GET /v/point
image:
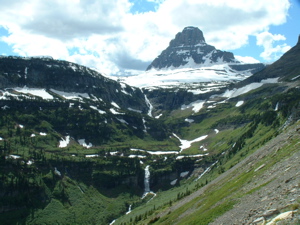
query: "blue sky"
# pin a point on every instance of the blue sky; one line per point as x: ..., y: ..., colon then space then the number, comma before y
x: 122, y: 37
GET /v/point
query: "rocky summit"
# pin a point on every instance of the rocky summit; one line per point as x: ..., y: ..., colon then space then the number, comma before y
x: 190, y: 49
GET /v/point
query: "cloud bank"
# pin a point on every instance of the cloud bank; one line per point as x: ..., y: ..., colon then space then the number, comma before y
x: 107, y: 36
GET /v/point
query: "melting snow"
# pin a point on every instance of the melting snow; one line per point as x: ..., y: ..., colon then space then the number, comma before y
x: 173, y: 182
x: 296, y: 77
x: 184, y: 174
x: 190, y: 156
x: 186, y: 144
x: 122, y: 121
x: 135, y: 110
x: 35, y: 91
x: 137, y: 156
x: 13, y: 156
x: 64, y: 142
x: 239, y: 103
x: 236, y: 92
x: 189, y: 120
x: 185, y: 74
x: 30, y: 162
x: 91, y: 156
x: 197, y: 106
x: 113, y: 111
x: 115, y: 105
x: 155, y: 152
x: 71, y: 95
x: 276, y: 107
x: 157, y: 117
x: 95, y: 108
x: 82, y: 143
x: 203, y: 148
x: 57, y: 172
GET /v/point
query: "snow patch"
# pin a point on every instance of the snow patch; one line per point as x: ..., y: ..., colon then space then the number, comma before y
x: 157, y: 117
x: 173, y: 182
x: 115, y: 105
x: 184, y: 174
x: 134, y: 110
x: 189, y: 120
x: 71, y: 95
x: 276, y: 107
x: 64, y: 142
x: 82, y: 143
x: 123, y: 121
x: 95, y: 108
x: 236, y: 92
x: 113, y: 111
x: 91, y: 156
x: 155, y: 152
x: 13, y: 156
x: 239, y: 103
x: 196, y: 106
x: 186, y: 144
x: 34, y: 91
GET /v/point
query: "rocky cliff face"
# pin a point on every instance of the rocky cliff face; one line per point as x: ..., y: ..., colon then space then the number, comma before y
x: 69, y: 77
x: 189, y: 48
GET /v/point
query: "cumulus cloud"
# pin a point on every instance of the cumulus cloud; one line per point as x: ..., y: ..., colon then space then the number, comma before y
x: 106, y: 35
x: 246, y: 59
x: 271, y: 52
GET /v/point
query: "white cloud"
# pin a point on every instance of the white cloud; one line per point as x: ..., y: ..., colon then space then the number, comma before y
x: 104, y: 34
x: 271, y: 52
x: 246, y: 59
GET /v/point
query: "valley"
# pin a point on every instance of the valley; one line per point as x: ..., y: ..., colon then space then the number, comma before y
x: 209, y: 144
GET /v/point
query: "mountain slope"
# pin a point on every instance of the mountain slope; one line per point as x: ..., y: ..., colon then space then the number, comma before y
x: 286, y: 68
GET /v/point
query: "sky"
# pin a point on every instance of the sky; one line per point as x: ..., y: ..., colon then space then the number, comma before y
x: 122, y: 37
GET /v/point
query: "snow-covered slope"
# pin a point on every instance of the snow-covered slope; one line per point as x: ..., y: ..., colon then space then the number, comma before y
x: 187, y: 75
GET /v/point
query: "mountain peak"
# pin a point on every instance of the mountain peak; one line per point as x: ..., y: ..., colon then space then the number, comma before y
x: 189, y: 36
x: 189, y: 49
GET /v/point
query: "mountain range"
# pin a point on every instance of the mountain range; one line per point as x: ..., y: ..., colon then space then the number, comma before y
x: 80, y: 148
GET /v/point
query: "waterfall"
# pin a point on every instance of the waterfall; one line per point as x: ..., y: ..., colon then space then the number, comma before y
x: 147, y: 180
x: 147, y: 184
x: 129, y: 210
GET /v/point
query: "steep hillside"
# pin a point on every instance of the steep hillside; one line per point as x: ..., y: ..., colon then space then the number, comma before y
x: 286, y: 68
